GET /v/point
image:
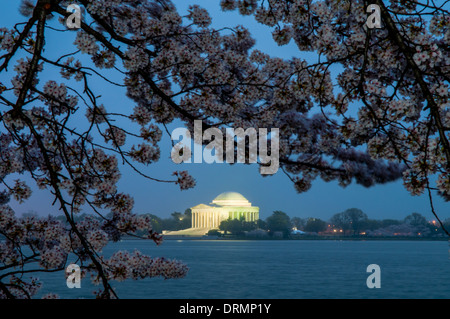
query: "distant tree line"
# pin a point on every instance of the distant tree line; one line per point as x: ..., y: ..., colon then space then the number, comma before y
x: 355, y: 222
x: 176, y: 221
x: 279, y: 224
x: 351, y: 222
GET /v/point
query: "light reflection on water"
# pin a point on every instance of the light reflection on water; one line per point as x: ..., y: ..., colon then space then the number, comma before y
x: 274, y: 269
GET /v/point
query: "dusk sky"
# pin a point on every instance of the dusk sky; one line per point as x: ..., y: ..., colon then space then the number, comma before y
x: 269, y: 193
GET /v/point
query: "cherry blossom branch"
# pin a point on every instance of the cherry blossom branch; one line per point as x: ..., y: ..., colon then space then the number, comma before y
x: 434, y: 110
x: 41, y: 16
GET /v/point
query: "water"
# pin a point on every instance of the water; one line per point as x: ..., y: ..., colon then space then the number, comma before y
x: 284, y: 269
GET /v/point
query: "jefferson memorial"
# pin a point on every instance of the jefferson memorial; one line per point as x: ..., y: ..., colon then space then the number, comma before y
x: 206, y: 217
x: 227, y: 205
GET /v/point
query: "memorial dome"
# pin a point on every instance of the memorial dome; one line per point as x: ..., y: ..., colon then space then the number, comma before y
x: 231, y: 199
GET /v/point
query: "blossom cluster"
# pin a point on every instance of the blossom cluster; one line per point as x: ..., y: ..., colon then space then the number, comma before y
x: 49, y: 242
x: 86, y: 43
x: 124, y: 265
x: 56, y: 97
x: 70, y: 68
x: 6, y: 39
x: 184, y: 180
x: 199, y: 16
x: 22, y: 68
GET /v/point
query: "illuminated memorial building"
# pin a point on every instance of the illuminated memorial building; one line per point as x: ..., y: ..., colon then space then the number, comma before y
x: 227, y: 205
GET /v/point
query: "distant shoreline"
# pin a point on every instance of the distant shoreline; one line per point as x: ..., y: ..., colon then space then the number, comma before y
x: 346, y: 238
